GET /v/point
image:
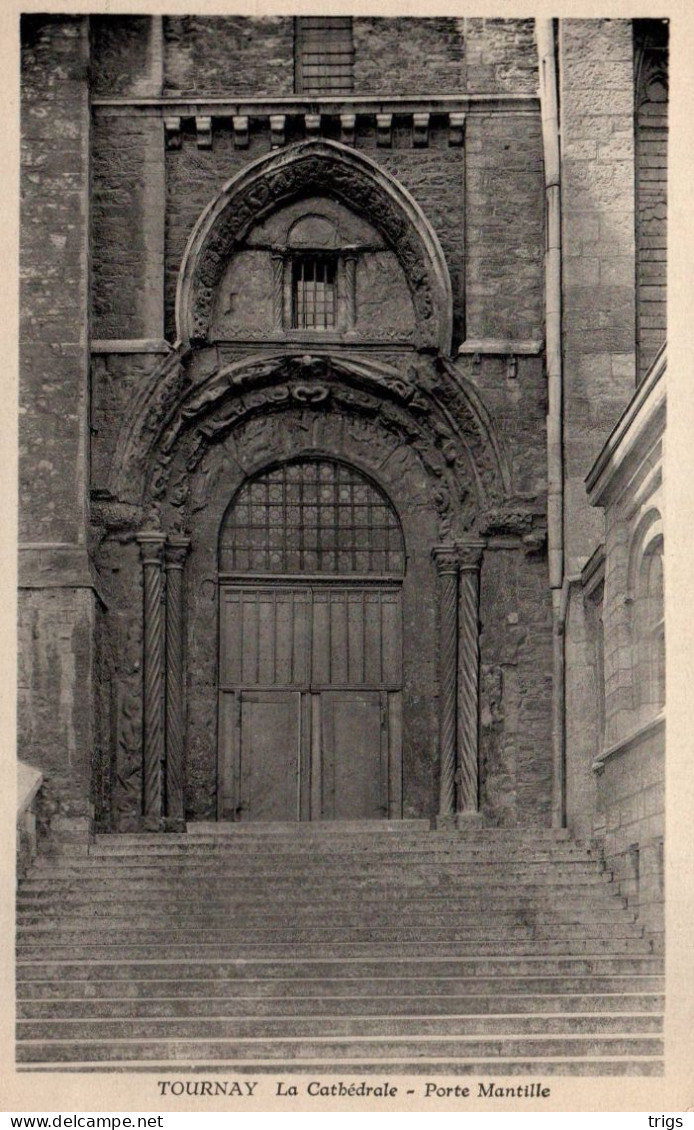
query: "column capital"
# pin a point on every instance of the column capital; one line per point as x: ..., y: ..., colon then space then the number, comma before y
x: 446, y: 558
x: 151, y: 543
x: 177, y: 547
x: 469, y: 555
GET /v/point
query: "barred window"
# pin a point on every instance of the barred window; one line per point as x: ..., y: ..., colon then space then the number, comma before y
x: 312, y: 516
x: 324, y: 55
x: 313, y: 293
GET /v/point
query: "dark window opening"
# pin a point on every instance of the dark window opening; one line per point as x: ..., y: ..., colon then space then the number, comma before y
x: 313, y: 293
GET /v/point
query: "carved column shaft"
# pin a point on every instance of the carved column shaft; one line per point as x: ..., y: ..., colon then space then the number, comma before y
x: 176, y: 551
x: 151, y: 545
x: 447, y: 567
x: 278, y: 291
x: 468, y: 678
x: 350, y: 291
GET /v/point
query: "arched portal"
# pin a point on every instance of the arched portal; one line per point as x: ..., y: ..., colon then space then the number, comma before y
x: 311, y: 564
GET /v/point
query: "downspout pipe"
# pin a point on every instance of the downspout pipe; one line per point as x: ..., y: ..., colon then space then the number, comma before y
x: 549, y: 106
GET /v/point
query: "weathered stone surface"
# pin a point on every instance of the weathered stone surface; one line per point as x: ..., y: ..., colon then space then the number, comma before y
x: 54, y: 284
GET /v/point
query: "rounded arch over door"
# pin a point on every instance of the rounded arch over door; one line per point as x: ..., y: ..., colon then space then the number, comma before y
x: 311, y: 561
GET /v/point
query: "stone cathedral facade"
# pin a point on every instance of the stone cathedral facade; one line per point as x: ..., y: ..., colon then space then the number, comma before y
x: 341, y: 414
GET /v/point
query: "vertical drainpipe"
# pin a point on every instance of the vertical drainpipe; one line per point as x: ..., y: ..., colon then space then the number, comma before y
x: 549, y: 105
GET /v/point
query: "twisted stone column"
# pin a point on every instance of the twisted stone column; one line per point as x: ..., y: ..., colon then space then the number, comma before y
x: 151, y: 544
x: 350, y: 291
x: 176, y: 550
x: 278, y: 291
x: 469, y: 559
x: 446, y: 558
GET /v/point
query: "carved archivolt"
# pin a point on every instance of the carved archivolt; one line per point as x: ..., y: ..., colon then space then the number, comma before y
x: 432, y: 413
x: 307, y: 168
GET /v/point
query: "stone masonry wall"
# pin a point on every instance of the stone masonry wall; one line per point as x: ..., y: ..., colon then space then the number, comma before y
x: 54, y: 280
x: 501, y: 56
x: 57, y: 604
x: 597, y: 99
x: 504, y: 226
x: 515, y: 688
x: 231, y: 55
x: 128, y: 226
x: 629, y: 824
x: 122, y: 51
x: 583, y: 721
x: 55, y: 677
x: 409, y: 56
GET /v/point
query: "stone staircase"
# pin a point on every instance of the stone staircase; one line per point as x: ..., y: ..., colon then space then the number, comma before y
x: 334, y: 947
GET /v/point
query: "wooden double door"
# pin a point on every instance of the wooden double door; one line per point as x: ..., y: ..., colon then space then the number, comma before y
x: 310, y: 702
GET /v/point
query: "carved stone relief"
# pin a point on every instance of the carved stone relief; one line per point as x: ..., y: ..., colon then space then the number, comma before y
x: 300, y: 171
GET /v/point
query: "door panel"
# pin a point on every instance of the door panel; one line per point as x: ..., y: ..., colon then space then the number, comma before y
x: 269, y: 741
x: 352, y: 752
x: 265, y: 637
x: 310, y: 703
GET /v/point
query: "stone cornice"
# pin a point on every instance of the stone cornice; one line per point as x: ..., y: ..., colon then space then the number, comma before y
x: 503, y: 347
x: 419, y: 113
x: 130, y: 345
x: 57, y: 565
x: 644, y: 415
x: 593, y: 572
x: 206, y: 106
x: 626, y: 744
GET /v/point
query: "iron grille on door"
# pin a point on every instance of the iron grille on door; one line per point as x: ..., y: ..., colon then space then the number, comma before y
x: 312, y: 517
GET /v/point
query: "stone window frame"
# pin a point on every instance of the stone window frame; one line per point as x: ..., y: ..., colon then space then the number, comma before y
x: 344, y: 262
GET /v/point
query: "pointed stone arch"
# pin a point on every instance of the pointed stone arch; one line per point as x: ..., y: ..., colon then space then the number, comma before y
x: 331, y: 169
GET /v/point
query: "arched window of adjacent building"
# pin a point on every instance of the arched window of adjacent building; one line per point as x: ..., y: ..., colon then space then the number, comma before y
x: 649, y: 624
x: 324, y: 55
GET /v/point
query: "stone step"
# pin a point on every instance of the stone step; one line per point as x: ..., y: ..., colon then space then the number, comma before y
x: 292, y: 829
x: 441, y: 885
x: 347, y: 850
x: 396, y: 1003
x: 192, y: 912
x: 470, y: 1069
x: 257, y: 946
x: 313, y: 873
x: 380, y: 948
x: 369, y: 1050
x: 299, y: 866
x: 475, y: 829
x: 44, y: 902
x: 330, y: 829
x: 81, y: 987
x: 177, y: 926
x: 286, y: 932
x: 241, y: 969
x: 353, y: 1026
